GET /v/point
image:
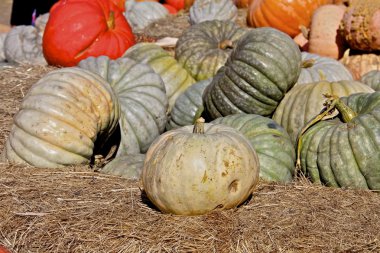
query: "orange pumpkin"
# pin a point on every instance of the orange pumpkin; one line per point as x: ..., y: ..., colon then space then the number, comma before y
x: 242, y: 3
x: 284, y: 15
x: 120, y: 4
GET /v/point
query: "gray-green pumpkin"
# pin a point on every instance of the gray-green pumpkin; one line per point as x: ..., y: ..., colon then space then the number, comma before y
x: 272, y: 144
x: 175, y: 77
x: 372, y: 79
x: 345, y: 152
x: 317, y: 68
x: 188, y: 107
x: 203, y: 10
x: 60, y: 119
x: 264, y: 65
x: 142, y: 97
x: 204, y: 48
x: 305, y: 101
x: 2, y: 39
x: 126, y: 166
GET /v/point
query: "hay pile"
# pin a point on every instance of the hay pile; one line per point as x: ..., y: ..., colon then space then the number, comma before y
x: 77, y: 210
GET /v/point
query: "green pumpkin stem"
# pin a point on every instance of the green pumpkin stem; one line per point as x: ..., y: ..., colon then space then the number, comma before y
x: 111, y: 20
x: 225, y: 44
x: 199, y: 126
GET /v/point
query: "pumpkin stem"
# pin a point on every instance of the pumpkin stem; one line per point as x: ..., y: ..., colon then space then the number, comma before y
x: 111, y: 20
x: 225, y: 44
x: 199, y: 126
x: 347, y: 113
x: 308, y: 63
x: 305, y: 31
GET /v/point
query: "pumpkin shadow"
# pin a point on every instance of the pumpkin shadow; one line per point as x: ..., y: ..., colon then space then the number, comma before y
x: 145, y: 200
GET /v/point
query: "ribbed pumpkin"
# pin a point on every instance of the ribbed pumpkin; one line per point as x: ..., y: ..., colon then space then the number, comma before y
x: 265, y: 64
x: 305, y: 101
x: 141, y: 14
x: 175, y: 77
x: 142, y: 99
x: 271, y: 142
x: 360, y: 64
x: 61, y: 117
x: 203, y: 10
x: 345, y: 152
x: 126, y: 166
x: 372, y: 79
x: 204, y: 48
x: 189, y: 106
x: 317, y: 68
x: 361, y: 24
x: 195, y: 170
x: 285, y: 15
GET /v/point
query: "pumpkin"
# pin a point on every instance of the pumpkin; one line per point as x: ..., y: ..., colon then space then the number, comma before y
x: 302, y: 41
x: 78, y: 29
x: 344, y: 152
x: 177, y: 4
x: 120, y: 4
x: 188, y: 107
x: 170, y: 9
x: 141, y: 14
x: 61, y: 118
x: 242, y: 3
x: 4, y: 28
x: 188, y: 4
x: 175, y: 77
x: 203, y: 10
x: 2, y: 40
x: 204, y: 48
x: 142, y: 99
x: 126, y: 166
x: 372, y: 79
x: 21, y: 45
x: 324, y: 38
x: 305, y: 101
x: 3, y: 249
x: 285, y: 15
x: 317, y: 68
x: 270, y: 141
x: 264, y: 65
x: 360, y: 64
x: 40, y: 25
x: 195, y: 170
x: 361, y: 24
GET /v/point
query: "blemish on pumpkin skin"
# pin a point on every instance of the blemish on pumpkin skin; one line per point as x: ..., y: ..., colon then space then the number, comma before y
x: 204, y: 177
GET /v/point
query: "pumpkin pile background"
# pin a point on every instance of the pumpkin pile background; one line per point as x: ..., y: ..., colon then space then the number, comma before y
x: 298, y: 200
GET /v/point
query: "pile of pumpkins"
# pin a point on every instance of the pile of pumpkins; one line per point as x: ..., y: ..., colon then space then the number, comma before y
x: 137, y: 111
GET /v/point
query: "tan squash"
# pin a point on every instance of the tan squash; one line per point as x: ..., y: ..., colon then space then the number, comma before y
x: 360, y: 64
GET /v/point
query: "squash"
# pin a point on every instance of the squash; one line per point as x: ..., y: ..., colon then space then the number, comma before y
x: 204, y: 48
x: 372, y: 79
x: 344, y: 152
x: 361, y: 24
x: 142, y: 98
x: 305, y: 101
x: 126, y: 166
x: 264, y: 65
x: 188, y: 107
x: 285, y: 15
x: 271, y: 142
x: 203, y: 10
x: 360, y: 64
x: 195, y: 170
x: 175, y: 77
x: 78, y: 29
x: 324, y: 38
x: 2, y: 40
x: 243, y: 3
x: 141, y: 14
x: 177, y: 4
x: 60, y: 119
x: 317, y: 68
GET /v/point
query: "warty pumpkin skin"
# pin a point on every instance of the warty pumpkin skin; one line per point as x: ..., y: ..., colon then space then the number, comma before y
x: 78, y: 29
x: 271, y: 142
x: 264, y: 65
x: 191, y: 171
x: 60, y: 118
x: 346, y: 153
x: 142, y: 98
x: 204, y: 48
x: 372, y: 79
x: 176, y: 78
x: 305, y: 101
x: 203, y: 10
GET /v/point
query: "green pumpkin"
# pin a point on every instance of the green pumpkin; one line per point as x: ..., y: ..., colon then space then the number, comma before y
x: 175, y: 77
x: 142, y: 98
x: 305, y: 101
x: 372, y: 79
x: 204, y: 48
x: 60, y: 119
x: 203, y: 10
x: 265, y: 64
x: 126, y: 166
x: 271, y: 142
x: 345, y: 152
x: 188, y: 107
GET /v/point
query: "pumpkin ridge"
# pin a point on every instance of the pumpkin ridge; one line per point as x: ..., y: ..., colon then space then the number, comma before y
x: 227, y: 100
x: 214, y: 100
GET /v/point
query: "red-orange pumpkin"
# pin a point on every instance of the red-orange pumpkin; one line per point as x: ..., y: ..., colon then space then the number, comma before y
x: 178, y: 4
x: 120, y: 4
x: 78, y: 29
x: 170, y: 8
x: 284, y: 15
